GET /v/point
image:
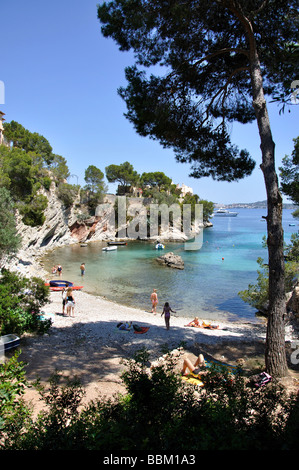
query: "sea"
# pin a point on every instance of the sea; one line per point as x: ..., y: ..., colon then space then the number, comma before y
x: 207, y: 287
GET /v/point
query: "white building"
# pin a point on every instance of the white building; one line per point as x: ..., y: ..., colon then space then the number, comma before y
x: 184, y: 189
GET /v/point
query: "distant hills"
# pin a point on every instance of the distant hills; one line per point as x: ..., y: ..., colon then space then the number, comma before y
x: 252, y: 205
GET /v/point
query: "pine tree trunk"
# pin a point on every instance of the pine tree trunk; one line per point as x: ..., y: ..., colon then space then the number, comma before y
x: 275, y: 356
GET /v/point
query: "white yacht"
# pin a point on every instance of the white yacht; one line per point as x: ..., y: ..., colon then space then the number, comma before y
x: 224, y: 213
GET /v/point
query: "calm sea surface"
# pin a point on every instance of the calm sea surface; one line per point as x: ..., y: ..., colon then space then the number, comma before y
x: 208, y: 286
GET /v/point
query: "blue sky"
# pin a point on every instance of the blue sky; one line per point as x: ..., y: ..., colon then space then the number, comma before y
x: 61, y: 78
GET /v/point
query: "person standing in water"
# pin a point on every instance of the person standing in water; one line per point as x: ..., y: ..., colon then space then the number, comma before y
x: 166, y: 311
x: 59, y: 270
x: 82, y: 268
x: 154, y: 299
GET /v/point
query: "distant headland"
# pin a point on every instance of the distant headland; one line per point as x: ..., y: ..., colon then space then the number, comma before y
x: 252, y: 205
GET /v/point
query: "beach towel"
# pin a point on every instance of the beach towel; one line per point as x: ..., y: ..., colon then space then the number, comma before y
x: 231, y: 368
x: 192, y: 380
x: 140, y: 329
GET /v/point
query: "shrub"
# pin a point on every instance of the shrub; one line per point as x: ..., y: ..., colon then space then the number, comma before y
x: 161, y: 413
x: 33, y: 212
x: 67, y: 193
x: 20, y: 302
x: 15, y: 416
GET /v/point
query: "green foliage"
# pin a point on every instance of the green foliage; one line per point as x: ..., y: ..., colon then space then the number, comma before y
x: 27, y: 166
x: 59, y: 169
x: 155, y: 179
x: 33, y: 212
x: 9, y: 239
x: 95, y: 186
x: 67, y: 193
x: 53, y: 429
x: 22, y: 176
x: 15, y: 416
x: 292, y: 250
x: 29, y: 141
x: 257, y: 294
x: 160, y: 412
x: 193, y: 199
x: 46, y: 181
x: 20, y: 302
x: 289, y: 174
x: 123, y: 173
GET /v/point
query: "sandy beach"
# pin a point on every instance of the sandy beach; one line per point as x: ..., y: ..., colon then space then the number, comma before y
x: 92, y: 348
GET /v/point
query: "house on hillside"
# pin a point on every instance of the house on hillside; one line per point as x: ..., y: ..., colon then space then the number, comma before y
x: 1, y: 127
x: 2, y: 138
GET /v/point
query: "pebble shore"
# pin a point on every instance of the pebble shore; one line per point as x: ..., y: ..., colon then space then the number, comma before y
x: 97, y: 318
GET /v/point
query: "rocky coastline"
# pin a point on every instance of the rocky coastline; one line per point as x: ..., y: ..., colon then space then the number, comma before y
x: 66, y: 226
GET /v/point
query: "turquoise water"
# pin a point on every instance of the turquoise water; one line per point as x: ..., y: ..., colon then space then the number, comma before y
x: 208, y: 286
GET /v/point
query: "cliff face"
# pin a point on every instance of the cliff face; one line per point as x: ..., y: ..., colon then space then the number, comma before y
x: 61, y: 227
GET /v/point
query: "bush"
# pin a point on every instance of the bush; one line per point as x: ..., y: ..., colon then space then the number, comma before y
x: 15, y: 416
x: 161, y: 413
x: 46, y: 182
x: 33, y: 212
x: 20, y: 302
x: 67, y: 193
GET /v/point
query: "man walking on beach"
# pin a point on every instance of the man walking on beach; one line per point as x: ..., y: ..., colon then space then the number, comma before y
x: 154, y: 299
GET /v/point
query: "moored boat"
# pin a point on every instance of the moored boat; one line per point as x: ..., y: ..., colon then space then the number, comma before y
x: 117, y: 243
x: 58, y: 285
x: 224, y: 213
x: 9, y: 342
x: 160, y: 246
x: 109, y: 248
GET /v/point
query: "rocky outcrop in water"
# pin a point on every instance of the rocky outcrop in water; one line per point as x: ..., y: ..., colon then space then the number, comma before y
x: 171, y: 260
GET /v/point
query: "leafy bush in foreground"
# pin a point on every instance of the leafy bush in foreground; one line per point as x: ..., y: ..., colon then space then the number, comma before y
x: 161, y: 413
x: 20, y: 302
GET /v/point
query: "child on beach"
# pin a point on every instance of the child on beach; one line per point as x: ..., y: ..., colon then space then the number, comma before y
x: 166, y: 312
x: 70, y: 302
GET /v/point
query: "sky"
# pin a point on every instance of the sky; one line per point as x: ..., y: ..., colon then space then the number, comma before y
x: 61, y: 78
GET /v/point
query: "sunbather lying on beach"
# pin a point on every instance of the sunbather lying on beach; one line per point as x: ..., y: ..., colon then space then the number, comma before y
x: 197, y: 324
x: 124, y: 326
x: 196, y: 368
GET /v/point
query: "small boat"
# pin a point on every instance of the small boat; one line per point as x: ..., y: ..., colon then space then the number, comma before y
x: 160, y: 246
x: 57, y: 285
x: 109, y: 248
x: 224, y: 213
x: 292, y: 225
x: 60, y: 288
x: 9, y: 342
x: 83, y: 244
x: 117, y: 243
